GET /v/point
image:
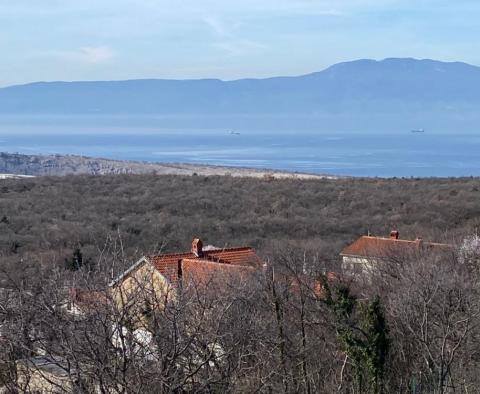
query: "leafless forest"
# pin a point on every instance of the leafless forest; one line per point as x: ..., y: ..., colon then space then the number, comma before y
x: 412, y: 326
x: 45, y: 219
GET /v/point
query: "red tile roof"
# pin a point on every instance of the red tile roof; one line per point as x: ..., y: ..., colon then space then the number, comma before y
x: 213, y: 274
x: 169, y: 265
x: 172, y: 265
x: 298, y: 283
x: 87, y: 298
x: 234, y: 256
x: 379, y: 247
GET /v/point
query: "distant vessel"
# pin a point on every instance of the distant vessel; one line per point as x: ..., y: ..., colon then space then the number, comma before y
x: 418, y: 131
x: 234, y: 133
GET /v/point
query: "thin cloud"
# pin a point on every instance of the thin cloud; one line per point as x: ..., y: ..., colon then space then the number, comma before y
x: 88, y: 55
x: 217, y: 26
x: 95, y: 55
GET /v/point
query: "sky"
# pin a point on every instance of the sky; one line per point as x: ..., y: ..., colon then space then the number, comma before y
x: 45, y: 40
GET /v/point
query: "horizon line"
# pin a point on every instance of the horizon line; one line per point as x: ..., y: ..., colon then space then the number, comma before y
x: 234, y: 79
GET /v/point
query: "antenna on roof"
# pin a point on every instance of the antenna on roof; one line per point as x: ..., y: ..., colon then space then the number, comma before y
x: 368, y: 233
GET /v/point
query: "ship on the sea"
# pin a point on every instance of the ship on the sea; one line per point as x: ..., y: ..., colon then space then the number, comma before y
x: 418, y: 131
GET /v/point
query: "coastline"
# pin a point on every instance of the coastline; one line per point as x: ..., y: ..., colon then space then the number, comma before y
x: 15, y: 165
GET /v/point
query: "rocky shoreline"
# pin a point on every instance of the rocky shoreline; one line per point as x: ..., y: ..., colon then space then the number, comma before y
x: 15, y: 164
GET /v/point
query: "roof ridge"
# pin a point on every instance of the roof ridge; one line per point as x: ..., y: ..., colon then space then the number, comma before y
x: 238, y: 248
x: 156, y: 256
x: 389, y: 239
x: 403, y: 240
x: 208, y: 252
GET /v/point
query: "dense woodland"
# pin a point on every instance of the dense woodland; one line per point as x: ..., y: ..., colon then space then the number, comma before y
x: 412, y: 326
x: 48, y: 218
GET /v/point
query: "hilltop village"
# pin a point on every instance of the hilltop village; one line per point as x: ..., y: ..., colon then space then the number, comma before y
x: 159, y: 284
x: 239, y: 197
x: 131, y: 304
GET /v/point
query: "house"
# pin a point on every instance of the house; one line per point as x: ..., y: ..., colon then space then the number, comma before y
x: 77, y: 301
x: 161, y: 276
x: 362, y: 255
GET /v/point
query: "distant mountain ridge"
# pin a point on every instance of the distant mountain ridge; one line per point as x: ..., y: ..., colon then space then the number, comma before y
x: 359, y: 89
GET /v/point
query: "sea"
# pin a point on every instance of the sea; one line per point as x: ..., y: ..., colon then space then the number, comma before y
x: 361, y: 154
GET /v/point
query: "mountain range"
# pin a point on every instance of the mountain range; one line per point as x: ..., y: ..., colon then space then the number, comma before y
x: 416, y: 93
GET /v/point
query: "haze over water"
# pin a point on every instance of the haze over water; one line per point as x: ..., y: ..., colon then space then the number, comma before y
x: 383, y: 154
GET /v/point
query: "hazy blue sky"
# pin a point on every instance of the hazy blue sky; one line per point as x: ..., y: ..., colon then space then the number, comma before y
x: 228, y: 39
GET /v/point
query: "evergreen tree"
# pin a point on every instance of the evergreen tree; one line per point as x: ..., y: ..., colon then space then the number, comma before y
x: 362, y: 333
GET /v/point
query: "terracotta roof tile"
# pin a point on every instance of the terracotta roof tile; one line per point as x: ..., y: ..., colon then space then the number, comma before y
x: 235, y: 256
x: 368, y: 246
x: 170, y: 265
x: 88, y: 297
x: 209, y: 273
x: 170, y: 258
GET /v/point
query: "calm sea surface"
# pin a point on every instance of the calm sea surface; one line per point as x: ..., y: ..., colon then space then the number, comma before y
x: 377, y: 154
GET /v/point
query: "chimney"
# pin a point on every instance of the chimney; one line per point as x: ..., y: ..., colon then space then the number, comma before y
x: 197, y: 247
x: 394, y: 234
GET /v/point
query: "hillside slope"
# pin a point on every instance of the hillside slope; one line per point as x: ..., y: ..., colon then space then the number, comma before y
x: 376, y: 86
